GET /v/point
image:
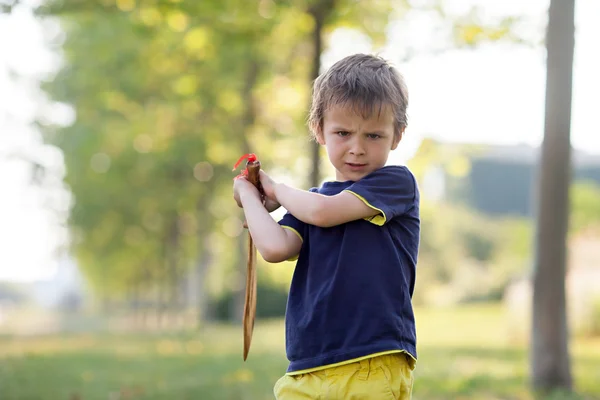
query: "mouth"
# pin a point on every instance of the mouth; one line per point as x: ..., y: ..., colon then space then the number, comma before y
x: 356, y: 165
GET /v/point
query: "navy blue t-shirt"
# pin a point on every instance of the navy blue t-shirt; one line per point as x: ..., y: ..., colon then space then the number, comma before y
x: 351, y: 290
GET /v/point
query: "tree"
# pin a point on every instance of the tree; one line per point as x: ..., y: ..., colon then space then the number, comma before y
x: 550, y: 359
x: 319, y: 12
x: 161, y: 117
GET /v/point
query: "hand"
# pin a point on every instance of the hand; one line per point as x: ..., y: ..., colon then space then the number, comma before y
x: 271, y: 205
x: 243, y: 187
x: 268, y: 186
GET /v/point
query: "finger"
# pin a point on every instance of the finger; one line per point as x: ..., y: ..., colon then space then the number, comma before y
x: 245, y: 224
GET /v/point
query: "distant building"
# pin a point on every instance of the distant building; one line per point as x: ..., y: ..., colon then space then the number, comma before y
x: 502, y: 179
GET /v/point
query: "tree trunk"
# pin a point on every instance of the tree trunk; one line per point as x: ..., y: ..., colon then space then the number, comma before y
x: 162, y: 286
x: 315, y: 148
x: 319, y: 12
x: 203, y: 261
x: 203, y: 313
x: 173, y: 270
x: 550, y: 357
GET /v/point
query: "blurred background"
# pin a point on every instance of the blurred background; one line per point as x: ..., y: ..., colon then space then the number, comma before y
x: 122, y: 253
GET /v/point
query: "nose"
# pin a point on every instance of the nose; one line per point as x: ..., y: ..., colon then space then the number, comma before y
x: 356, y: 147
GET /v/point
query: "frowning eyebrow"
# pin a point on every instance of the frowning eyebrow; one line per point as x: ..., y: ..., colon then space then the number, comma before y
x: 338, y: 128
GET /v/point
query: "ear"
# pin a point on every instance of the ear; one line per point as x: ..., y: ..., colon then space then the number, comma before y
x: 320, y: 137
x: 398, y: 138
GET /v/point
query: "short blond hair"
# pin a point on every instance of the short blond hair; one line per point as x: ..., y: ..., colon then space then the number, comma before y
x: 365, y: 82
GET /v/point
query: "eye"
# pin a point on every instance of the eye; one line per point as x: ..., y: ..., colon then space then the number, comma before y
x: 342, y: 133
x: 373, y: 136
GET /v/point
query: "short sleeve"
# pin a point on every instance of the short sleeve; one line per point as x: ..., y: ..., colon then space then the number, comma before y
x: 294, y: 224
x: 391, y: 190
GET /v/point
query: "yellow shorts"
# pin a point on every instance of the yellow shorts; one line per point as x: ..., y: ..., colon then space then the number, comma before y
x: 385, y: 377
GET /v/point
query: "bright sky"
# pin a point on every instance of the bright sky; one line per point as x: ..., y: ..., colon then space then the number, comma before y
x: 494, y: 94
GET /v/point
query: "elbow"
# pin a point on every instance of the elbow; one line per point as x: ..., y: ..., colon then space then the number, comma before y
x: 272, y: 254
x: 273, y: 257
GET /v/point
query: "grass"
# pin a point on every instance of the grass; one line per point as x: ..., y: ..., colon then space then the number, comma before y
x: 463, y: 354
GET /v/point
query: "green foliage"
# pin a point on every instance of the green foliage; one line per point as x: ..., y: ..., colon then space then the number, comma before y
x: 470, y: 31
x: 585, y: 206
x: 162, y: 114
x: 594, y: 318
x: 468, y: 256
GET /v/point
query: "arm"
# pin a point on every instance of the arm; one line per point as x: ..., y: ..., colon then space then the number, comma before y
x: 324, y: 211
x: 317, y: 209
x: 274, y: 243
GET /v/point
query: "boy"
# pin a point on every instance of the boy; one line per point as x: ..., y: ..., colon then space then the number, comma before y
x: 350, y: 328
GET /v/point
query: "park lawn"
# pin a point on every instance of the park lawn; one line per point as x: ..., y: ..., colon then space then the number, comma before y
x: 463, y: 354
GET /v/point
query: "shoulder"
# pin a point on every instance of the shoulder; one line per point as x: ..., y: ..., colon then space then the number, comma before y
x: 391, y: 190
x: 391, y: 176
x: 401, y: 172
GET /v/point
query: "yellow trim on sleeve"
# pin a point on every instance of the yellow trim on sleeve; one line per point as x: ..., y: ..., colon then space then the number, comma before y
x: 294, y: 258
x: 305, y: 371
x: 378, y: 219
x: 293, y: 230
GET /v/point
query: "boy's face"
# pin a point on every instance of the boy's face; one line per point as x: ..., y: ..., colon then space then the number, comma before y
x: 357, y: 146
